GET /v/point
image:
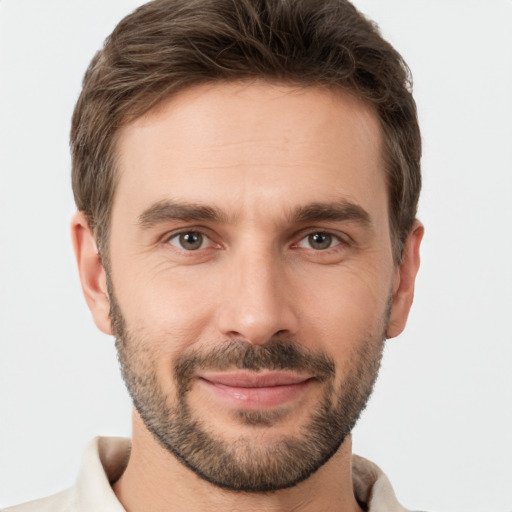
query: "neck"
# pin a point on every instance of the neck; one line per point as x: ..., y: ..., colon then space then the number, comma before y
x: 155, y: 481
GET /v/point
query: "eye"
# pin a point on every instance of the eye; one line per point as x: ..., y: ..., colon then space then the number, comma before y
x: 189, y: 240
x: 319, y: 241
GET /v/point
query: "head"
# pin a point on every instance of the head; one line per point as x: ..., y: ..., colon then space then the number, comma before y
x: 168, y: 45
x: 247, y: 174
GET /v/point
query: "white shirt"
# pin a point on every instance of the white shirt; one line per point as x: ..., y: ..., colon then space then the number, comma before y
x: 105, y: 459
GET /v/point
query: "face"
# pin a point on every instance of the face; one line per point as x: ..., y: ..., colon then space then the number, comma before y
x: 251, y: 277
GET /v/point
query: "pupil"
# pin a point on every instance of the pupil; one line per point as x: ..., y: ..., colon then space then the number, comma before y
x: 191, y: 240
x: 320, y: 240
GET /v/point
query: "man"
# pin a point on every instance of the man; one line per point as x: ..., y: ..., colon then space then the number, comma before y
x: 246, y: 175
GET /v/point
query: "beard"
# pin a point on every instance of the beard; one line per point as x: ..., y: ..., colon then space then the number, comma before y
x: 246, y: 463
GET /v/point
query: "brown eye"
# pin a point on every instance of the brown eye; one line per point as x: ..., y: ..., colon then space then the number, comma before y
x: 190, y: 240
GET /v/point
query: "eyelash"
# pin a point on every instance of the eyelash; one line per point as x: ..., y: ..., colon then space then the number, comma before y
x: 333, y: 238
x: 342, y: 241
x: 188, y: 232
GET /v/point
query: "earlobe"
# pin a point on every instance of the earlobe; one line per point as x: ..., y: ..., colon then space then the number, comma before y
x: 91, y: 271
x: 403, y: 291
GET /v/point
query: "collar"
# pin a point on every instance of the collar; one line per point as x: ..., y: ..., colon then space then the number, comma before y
x: 105, y: 459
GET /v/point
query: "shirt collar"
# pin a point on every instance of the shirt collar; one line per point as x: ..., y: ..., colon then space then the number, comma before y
x: 105, y: 459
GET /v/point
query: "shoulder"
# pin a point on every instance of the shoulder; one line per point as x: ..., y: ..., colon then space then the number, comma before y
x: 61, y: 502
x: 102, y: 463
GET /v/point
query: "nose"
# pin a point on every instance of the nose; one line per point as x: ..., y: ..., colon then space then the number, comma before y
x: 257, y: 300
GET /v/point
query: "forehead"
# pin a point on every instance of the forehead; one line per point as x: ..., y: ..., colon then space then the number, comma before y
x: 251, y: 142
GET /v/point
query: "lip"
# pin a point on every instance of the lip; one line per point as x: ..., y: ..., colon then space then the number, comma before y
x: 256, y: 390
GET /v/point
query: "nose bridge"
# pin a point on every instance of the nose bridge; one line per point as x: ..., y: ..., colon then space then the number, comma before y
x: 254, y: 307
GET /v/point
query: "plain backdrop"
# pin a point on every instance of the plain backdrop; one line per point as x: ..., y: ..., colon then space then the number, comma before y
x: 440, y: 421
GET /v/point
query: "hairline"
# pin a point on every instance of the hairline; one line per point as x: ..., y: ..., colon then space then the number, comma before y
x: 102, y: 234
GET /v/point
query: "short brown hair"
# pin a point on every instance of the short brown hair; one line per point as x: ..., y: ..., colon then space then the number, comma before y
x: 167, y: 45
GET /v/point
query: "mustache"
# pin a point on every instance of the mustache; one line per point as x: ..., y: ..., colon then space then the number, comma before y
x: 242, y: 355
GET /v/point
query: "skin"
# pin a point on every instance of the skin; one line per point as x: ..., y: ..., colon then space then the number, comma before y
x: 256, y: 152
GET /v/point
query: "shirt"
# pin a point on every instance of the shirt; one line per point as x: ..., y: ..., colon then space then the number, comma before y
x: 105, y: 459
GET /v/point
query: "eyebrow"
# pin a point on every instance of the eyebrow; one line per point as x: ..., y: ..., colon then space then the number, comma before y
x: 167, y: 210
x: 342, y: 210
x: 336, y: 211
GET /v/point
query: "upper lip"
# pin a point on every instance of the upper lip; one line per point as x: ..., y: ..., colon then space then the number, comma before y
x: 248, y: 379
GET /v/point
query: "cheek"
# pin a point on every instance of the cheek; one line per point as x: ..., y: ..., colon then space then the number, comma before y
x: 171, y: 307
x: 345, y: 308
x: 175, y: 308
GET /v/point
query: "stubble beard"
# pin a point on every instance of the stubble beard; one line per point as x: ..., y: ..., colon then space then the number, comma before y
x: 242, y: 464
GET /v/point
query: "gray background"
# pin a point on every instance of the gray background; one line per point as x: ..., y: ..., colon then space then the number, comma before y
x: 440, y: 421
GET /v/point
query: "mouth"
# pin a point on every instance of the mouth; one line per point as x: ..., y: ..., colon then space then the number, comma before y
x: 256, y: 390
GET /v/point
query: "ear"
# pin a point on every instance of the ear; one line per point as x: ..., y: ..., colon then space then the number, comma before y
x: 403, y: 289
x: 92, y: 273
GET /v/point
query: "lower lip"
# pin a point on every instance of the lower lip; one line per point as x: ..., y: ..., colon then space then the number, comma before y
x: 257, y: 398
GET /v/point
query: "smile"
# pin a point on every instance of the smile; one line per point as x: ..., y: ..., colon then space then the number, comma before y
x: 256, y: 391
